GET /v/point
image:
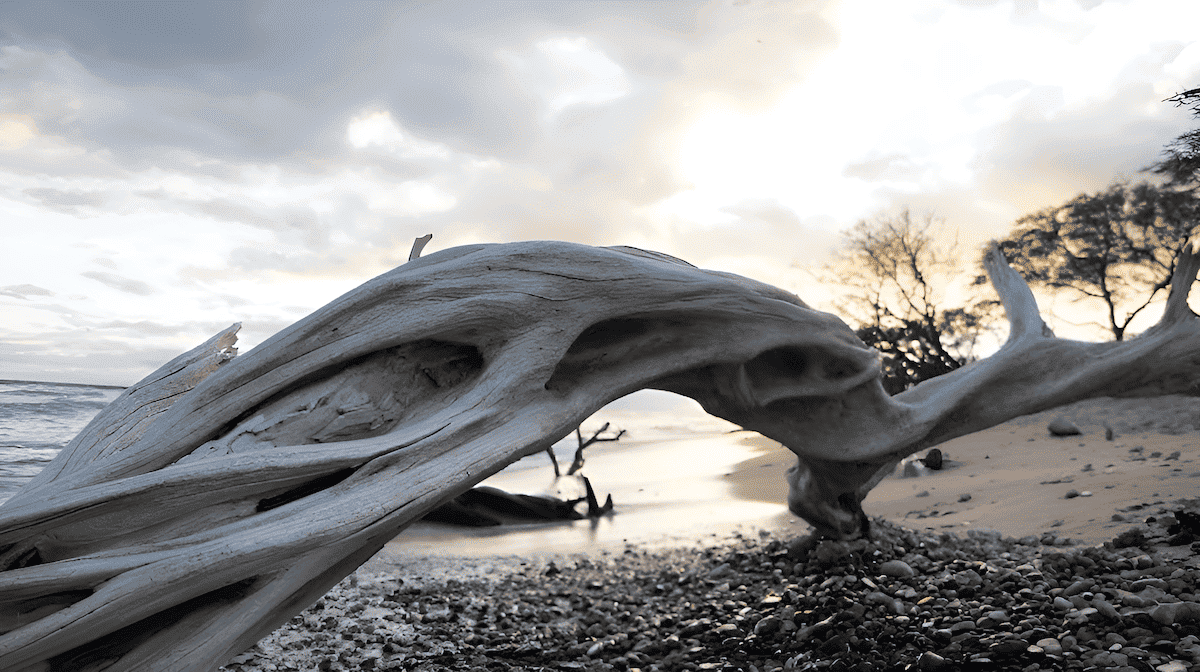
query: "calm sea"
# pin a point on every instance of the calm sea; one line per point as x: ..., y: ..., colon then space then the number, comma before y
x: 666, y: 435
x: 37, y: 420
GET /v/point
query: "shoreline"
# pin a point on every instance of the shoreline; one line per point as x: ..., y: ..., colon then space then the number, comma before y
x: 1017, y: 476
x: 924, y: 592
x: 902, y: 600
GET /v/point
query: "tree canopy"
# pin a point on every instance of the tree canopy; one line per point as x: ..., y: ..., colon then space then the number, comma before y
x: 1117, y: 246
x: 1181, y: 158
x: 893, y: 269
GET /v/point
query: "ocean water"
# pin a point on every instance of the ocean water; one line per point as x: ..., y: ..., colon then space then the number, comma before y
x: 668, y: 476
x: 37, y: 420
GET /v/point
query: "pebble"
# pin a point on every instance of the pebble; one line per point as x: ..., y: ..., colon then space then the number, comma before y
x: 727, y: 630
x: 1078, y: 587
x: 897, y: 568
x: 1060, y: 426
x: 933, y: 459
x: 774, y: 605
x: 1173, y: 613
x: 1050, y: 646
x: 931, y: 661
x: 1106, y: 609
x: 767, y: 625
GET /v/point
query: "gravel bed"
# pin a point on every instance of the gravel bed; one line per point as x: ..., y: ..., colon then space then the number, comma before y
x: 902, y: 600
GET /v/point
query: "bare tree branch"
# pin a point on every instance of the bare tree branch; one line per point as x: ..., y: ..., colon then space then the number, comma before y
x: 222, y: 495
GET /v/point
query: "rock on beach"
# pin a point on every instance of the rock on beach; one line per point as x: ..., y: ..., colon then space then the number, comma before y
x: 900, y: 600
x: 1060, y: 426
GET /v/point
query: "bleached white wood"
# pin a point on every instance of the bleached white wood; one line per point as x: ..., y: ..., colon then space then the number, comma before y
x: 222, y: 495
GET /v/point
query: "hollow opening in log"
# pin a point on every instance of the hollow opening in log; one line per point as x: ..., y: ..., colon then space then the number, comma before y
x: 13, y: 616
x: 102, y: 652
x: 790, y: 362
x: 29, y: 558
x: 314, y: 486
x: 622, y: 341
x: 786, y: 362
x: 813, y: 408
x: 363, y: 398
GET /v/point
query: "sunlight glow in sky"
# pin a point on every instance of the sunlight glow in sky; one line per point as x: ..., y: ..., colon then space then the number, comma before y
x: 220, y: 163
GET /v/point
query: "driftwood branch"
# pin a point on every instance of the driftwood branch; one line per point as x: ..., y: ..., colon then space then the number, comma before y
x: 222, y: 495
x: 577, y: 462
x: 419, y: 246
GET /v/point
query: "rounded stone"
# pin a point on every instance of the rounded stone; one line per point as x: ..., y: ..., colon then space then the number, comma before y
x: 1060, y: 426
x: 1051, y: 646
x: 1078, y: 587
x: 897, y: 568
x: 933, y: 459
x: 767, y: 625
x: 931, y: 661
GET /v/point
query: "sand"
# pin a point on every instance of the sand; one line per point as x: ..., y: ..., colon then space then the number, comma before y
x: 1017, y: 476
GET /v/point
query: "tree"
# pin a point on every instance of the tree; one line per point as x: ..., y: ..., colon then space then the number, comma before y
x: 892, y: 265
x: 1117, y: 246
x: 220, y: 496
x: 1181, y: 158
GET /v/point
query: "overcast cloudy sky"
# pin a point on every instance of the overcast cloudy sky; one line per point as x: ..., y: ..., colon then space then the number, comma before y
x: 169, y: 168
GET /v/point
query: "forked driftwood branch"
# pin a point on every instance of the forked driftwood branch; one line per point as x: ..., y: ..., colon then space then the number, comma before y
x: 222, y: 495
x: 577, y: 461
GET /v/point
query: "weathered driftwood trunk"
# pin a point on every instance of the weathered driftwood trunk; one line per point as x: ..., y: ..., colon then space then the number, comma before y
x: 222, y: 495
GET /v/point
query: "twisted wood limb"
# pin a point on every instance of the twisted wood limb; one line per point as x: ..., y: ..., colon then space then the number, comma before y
x: 222, y: 495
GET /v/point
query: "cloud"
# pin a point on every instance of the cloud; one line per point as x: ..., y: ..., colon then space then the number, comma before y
x: 24, y: 291
x: 467, y: 123
x: 86, y: 356
x: 1047, y: 153
x: 144, y: 328
x: 286, y: 151
x: 120, y: 283
x: 65, y: 201
x: 272, y: 80
x: 765, y: 227
x: 889, y: 167
x: 151, y: 34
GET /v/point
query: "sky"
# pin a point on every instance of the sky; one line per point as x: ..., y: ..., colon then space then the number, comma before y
x: 169, y: 168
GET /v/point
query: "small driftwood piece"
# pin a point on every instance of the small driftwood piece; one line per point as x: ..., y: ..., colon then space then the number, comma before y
x: 577, y: 462
x: 222, y: 495
x: 485, y: 506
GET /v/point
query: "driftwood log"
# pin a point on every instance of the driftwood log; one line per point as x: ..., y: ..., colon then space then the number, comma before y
x: 222, y: 495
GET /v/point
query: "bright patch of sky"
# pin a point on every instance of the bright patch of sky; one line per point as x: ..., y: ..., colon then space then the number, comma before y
x: 248, y: 163
x: 568, y: 70
x: 906, y: 103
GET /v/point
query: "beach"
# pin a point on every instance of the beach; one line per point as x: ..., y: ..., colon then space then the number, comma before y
x: 674, y: 580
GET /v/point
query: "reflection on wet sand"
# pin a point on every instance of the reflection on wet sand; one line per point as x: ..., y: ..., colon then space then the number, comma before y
x: 665, y: 490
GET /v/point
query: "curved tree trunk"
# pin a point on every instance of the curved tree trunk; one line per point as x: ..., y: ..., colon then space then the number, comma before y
x: 222, y: 495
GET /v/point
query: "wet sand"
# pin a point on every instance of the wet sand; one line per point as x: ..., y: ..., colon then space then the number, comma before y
x: 666, y: 492
x: 699, y: 512
x: 684, y: 478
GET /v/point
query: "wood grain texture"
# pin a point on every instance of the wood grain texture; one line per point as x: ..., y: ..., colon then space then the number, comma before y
x: 224, y: 494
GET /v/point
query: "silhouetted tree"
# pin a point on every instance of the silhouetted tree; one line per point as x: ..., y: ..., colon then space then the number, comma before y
x: 890, y: 267
x: 1181, y: 158
x: 1117, y: 246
